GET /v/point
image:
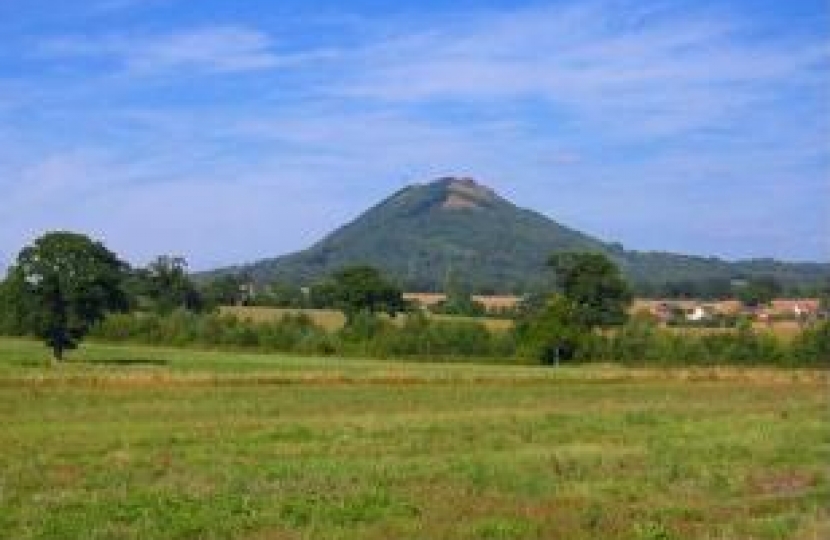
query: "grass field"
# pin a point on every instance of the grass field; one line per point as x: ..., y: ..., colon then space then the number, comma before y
x: 132, y: 442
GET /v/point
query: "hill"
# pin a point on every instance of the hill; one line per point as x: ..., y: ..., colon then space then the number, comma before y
x: 425, y: 233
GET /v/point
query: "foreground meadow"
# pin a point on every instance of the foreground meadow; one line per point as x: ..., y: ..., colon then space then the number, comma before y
x: 133, y: 442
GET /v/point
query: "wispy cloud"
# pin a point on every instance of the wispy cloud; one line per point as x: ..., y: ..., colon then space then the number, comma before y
x: 222, y: 49
x: 657, y: 124
x: 212, y: 49
x: 651, y: 74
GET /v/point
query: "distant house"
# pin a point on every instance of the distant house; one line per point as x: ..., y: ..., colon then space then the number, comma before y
x: 700, y: 312
x: 662, y: 311
x: 666, y: 311
x: 799, y: 309
x: 795, y: 308
x: 424, y: 300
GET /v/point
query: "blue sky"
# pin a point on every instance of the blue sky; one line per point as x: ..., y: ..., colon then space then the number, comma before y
x: 230, y: 131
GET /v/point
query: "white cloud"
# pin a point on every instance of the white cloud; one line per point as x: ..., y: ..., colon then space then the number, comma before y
x: 657, y: 75
x: 630, y: 123
x: 221, y: 49
x: 210, y: 49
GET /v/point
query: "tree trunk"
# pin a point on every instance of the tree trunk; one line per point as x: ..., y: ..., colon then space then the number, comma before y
x: 57, y: 355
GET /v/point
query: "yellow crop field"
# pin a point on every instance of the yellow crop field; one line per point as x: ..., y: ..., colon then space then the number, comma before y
x: 333, y: 320
x: 328, y: 319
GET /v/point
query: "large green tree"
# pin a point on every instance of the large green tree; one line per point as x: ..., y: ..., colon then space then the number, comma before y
x: 593, y: 284
x: 64, y: 283
x: 358, y: 289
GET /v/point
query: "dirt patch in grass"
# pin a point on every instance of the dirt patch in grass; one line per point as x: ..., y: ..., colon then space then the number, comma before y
x: 783, y: 484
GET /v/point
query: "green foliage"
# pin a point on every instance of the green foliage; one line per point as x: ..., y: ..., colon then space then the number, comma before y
x: 712, y: 288
x: 362, y: 326
x: 357, y: 289
x: 812, y: 346
x: 367, y: 335
x: 225, y: 290
x: 459, y: 298
x: 12, y: 307
x: 593, y: 285
x: 459, y: 304
x: 60, y: 286
x: 642, y: 342
x: 183, y: 328
x: 422, y: 337
x: 547, y: 337
x: 637, y: 341
x: 652, y: 530
x: 556, y: 333
x: 284, y: 295
x: 759, y: 291
x: 165, y: 286
x: 824, y: 298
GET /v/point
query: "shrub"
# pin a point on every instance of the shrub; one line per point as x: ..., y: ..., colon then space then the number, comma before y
x: 554, y: 334
x: 547, y: 337
x: 812, y: 346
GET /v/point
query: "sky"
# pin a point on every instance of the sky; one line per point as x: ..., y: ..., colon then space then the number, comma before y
x: 227, y: 131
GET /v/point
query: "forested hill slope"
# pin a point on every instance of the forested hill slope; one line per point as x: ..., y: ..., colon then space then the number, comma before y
x: 454, y: 226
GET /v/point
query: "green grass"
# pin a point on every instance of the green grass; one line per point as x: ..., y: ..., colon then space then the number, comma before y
x: 134, y: 442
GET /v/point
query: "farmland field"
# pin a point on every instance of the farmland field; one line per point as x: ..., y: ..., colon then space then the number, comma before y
x: 135, y: 442
x: 333, y: 320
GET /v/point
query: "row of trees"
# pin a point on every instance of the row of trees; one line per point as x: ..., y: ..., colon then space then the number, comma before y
x: 64, y: 285
x: 416, y: 336
x: 752, y: 291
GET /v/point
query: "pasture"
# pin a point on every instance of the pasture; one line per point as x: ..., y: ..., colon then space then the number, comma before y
x: 138, y: 442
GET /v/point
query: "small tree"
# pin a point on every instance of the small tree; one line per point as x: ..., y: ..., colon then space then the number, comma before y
x: 63, y: 284
x: 363, y: 288
x: 166, y: 285
x: 224, y: 290
x: 759, y: 291
x: 554, y: 333
x: 824, y: 299
x: 11, y: 312
x: 592, y: 294
x: 595, y: 287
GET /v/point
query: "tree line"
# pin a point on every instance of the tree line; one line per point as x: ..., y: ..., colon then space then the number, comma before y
x: 66, y: 286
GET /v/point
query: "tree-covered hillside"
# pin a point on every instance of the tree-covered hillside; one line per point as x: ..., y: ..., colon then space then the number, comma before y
x: 425, y: 232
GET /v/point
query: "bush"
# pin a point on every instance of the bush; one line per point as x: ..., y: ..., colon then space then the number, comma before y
x: 291, y: 333
x: 421, y: 337
x: 812, y: 346
x: 554, y: 335
x: 547, y: 337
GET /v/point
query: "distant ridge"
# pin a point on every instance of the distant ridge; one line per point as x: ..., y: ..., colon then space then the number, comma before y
x: 456, y: 226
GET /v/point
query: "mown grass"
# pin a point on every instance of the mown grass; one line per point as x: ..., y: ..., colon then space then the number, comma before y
x: 133, y: 442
